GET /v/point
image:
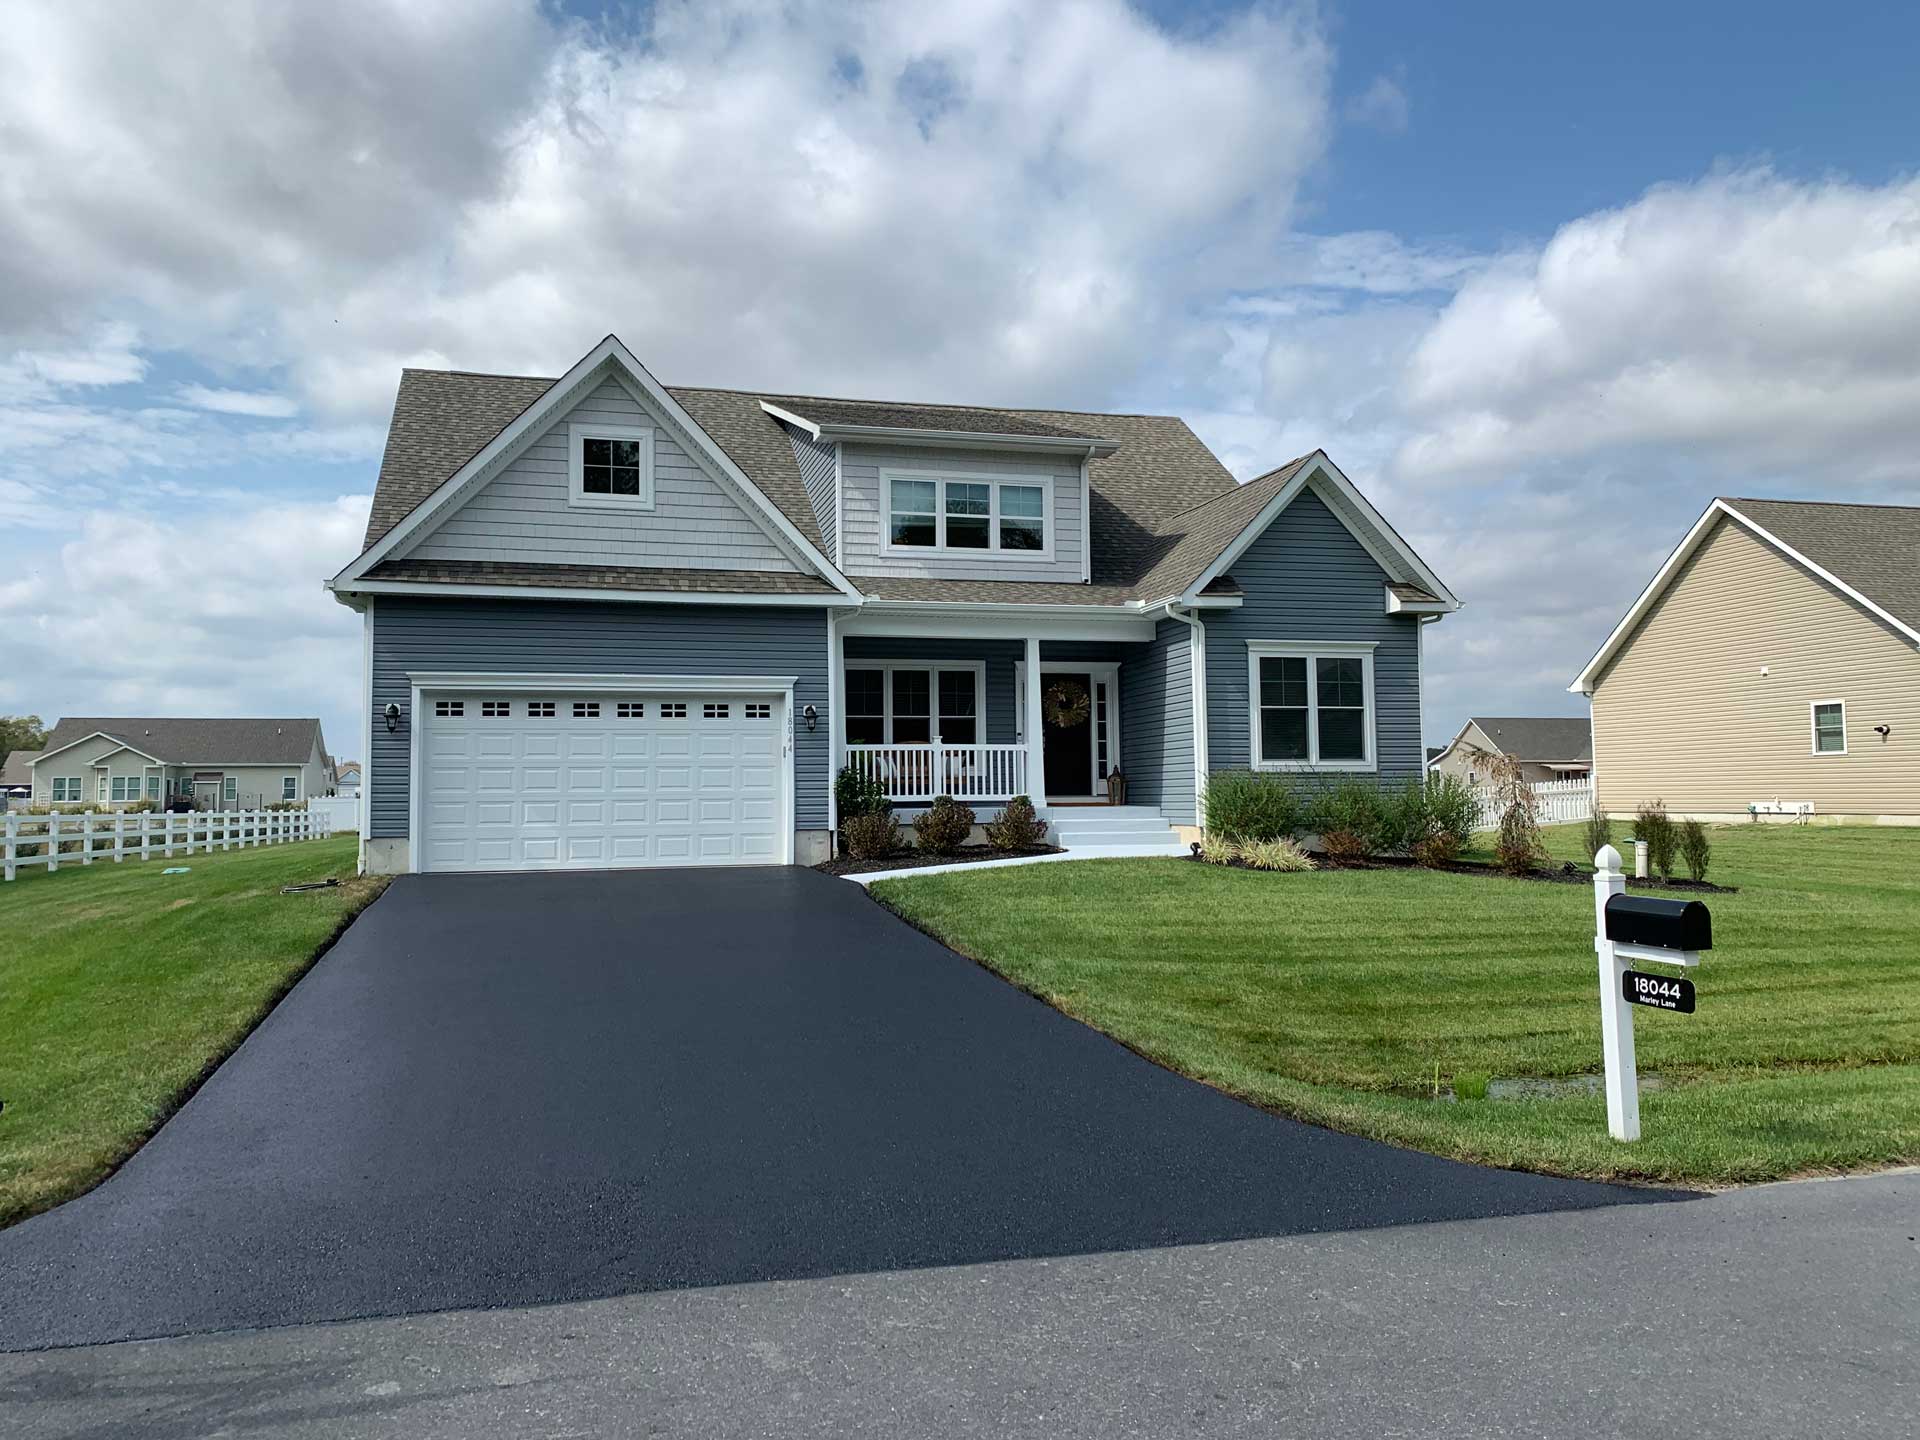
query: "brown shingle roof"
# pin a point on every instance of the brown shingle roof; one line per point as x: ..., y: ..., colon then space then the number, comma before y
x: 180, y: 740
x: 601, y: 577
x: 15, y: 771
x: 1873, y: 548
x: 890, y: 415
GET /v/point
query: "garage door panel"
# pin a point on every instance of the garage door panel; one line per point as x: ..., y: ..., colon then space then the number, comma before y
x: 607, y: 781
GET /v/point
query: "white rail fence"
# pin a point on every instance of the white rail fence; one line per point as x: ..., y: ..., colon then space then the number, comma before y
x: 1557, y: 802
x: 966, y: 772
x: 56, y: 840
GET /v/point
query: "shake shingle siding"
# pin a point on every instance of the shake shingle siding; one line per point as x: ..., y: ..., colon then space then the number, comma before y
x: 1308, y: 579
x: 1156, y: 723
x: 427, y: 634
x: 816, y: 462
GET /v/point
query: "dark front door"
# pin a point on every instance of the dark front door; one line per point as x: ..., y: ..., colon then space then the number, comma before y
x: 1068, y: 748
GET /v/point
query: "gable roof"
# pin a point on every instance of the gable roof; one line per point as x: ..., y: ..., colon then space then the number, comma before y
x: 1163, y: 506
x: 178, y: 740
x: 17, y: 769
x: 1870, y: 553
x: 1542, y: 739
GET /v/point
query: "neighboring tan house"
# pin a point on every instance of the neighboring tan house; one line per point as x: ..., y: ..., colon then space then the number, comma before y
x: 1547, y: 747
x: 346, y: 777
x: 611, y: 623
x: 105, y: 762
x: 1773, y: 663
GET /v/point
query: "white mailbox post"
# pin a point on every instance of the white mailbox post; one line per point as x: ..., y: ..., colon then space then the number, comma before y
x: 1628, y: 928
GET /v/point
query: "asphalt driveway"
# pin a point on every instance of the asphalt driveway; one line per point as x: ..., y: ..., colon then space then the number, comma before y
x: 508, y: 1090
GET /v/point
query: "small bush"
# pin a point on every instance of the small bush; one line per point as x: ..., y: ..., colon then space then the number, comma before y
x: 1280, y: 854
x: 1350, y: 819
x: 858, y: 794
x: 1652, y: 824
x: 1432, y: 822
x: 871, y: 836
x: 944, y: 827
x: 1694, y: 849
x: 1217, y: 849
x: 286, y: 805
x: 1598, y: 833
x: 1019, y: 826
x: 1436, y: 851
x: 1251, y: 805
x: 1517, y: 848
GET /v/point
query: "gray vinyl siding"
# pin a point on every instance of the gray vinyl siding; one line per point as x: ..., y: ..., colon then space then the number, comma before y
x: 999, y: 656
x: 424, y: 633
x: 865, y: 518
x: 1308, y: 579
x: 522, y: 514
x: 1156, y: 723
x: 816, y: 462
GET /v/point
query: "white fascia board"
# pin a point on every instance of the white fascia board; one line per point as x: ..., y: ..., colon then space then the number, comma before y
x: 563, y: 592
x: 609, y: 683
x: 621, y: 363
x: 1398, y: 606
x: 963, y: 439
x: 798, y: 422
x: 990, y: 621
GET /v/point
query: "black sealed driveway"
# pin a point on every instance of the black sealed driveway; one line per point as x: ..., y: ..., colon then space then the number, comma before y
x: 517, y: 1089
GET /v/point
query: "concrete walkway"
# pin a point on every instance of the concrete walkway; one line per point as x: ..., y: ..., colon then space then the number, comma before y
x: 1785, y: 1311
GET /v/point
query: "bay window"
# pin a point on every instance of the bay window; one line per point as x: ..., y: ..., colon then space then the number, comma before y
x: 930, y: 511
x: 1311, y: 705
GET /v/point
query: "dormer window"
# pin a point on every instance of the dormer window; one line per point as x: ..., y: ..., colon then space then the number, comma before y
x: 989, y: 513
x: 610, y: 466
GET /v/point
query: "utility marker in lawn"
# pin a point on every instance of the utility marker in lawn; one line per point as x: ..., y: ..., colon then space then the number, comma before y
x: 1637, y: 927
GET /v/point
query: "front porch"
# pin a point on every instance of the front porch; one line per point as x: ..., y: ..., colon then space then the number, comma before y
x: 986, y: 717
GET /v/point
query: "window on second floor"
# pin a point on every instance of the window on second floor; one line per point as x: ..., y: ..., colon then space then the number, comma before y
x: 966, y: 513
x: 610, y: 466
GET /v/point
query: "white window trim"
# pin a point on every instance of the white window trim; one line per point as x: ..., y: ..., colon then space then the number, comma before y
x: 284, y: 796
x: 577, y: 436
x: 1813, y: 726
x: 993, y: 480
x: 1310, y: 651
x: 932, y: 669
x: 64, y: 790
x: 230, y: 790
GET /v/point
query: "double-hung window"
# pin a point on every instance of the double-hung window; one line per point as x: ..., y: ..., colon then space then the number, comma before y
x: 125, y: 788
x: 610, y: 466
x: 230, y: 790
x: 66, y: 789
x: 1829, y: 727
x: 907, y: 704
x: 968, y: 513
x: 1311, y: 705
x: 289, y: 785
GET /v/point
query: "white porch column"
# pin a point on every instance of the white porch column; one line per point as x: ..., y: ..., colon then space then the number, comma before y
x: 1036, y: 760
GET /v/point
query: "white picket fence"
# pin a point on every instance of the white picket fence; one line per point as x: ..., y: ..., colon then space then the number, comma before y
x: 141, y: 835
x: 1557, y: 802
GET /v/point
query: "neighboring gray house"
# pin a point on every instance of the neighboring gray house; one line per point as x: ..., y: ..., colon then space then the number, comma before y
x: 1547, y: 747
x: 611, y: 623
x: 107, y: 762
x: 16, y: 780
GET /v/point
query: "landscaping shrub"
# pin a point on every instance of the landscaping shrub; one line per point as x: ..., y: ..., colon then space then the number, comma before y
x: 1517, y: 849
x: 1218, y: 849
x: 1279, y: 854
x: 871, y: 836
x: 858, y: 794
x: 1598, y: 834
x: 1694, y: 849
x: 1432, y: 821
x: 1652, y: 824
x: 1251, y: 805
x: 1018, y: 828
x: 944, y: 827
x: 1349, y: 818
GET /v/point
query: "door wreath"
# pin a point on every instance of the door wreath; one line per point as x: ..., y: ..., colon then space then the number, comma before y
x: 1066, y: 704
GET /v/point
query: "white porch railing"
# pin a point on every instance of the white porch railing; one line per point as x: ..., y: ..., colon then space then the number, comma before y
x: 120, y: 835
x: 1557, y: 802
x: 966, y: 772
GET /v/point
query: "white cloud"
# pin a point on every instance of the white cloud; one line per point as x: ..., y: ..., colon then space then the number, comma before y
x: 1383, y: 105
x: 261, y: 404
x: 1760, y: 323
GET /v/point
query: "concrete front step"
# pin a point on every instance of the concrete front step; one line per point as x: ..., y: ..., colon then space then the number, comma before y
x: 1096, y: 852
x: 1073, y: 837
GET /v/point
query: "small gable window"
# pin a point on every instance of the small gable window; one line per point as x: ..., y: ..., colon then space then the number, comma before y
x: 610, y: 466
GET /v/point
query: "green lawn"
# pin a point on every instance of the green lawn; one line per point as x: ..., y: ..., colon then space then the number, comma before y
x: 1337, y: 996
x: 121, y: 988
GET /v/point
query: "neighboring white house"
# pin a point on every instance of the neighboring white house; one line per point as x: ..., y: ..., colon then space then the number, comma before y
x: 112, y: 761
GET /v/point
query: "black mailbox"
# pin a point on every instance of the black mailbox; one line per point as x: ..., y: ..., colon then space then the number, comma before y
x: 1663, y: 924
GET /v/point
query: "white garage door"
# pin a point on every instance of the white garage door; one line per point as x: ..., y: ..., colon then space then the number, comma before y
x: 590, y: 782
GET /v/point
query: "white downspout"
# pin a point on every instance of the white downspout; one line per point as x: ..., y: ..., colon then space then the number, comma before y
x: 836, y: 727
x: 1197, y: 663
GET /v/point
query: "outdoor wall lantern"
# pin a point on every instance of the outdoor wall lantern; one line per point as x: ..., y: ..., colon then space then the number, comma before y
x: 811, y: 716
x: 392, y: 712
x: 1883, y: 731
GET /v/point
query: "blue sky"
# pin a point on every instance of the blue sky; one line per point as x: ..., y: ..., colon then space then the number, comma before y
x: 1543, y: 280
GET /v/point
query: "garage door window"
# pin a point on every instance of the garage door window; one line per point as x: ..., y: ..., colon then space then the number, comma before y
x: 673, y: 710
x: 712, y: 711
x: 540, y: 709
x: 586, y: 709
x: 632, y: 710
x: 447, y: 708
x: 495, y: 709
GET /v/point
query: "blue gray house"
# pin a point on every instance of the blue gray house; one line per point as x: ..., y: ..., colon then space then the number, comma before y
x: 612, y: 623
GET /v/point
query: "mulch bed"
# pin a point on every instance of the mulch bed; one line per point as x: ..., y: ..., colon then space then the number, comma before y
x: 910, y: 859
x: 1565, y: 874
